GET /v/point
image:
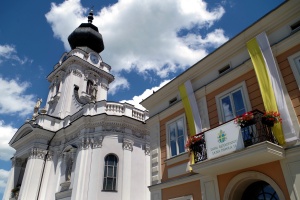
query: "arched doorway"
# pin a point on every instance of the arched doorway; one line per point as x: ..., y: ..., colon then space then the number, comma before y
x: 260, y: 190
x: 252, y: 185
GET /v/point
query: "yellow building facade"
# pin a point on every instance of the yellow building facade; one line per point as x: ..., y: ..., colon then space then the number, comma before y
x: 230, y: 161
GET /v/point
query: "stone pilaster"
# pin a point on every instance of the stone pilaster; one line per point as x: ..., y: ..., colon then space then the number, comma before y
x: 147, y: 149
x: 13, y: 176
x: 126, y: 183
x: 127, y: 144
x: 33, y: 173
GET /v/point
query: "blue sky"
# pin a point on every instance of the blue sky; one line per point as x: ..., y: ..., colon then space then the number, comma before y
x: 147, y: 43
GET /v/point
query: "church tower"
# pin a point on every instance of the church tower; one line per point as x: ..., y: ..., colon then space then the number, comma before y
x: 80, y: 76
x: 81, y: 146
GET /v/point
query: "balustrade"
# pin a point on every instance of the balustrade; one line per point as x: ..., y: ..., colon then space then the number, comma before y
x: 115, y: 107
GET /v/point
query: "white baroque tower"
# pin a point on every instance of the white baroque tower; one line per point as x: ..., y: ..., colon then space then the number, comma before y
x: 80, y: 146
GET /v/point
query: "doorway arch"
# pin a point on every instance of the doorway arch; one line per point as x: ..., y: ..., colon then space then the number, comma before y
x: 241, y: 182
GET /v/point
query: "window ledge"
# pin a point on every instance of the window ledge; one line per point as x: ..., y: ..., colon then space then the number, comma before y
x: 109, y: 190
x: 178, y: 158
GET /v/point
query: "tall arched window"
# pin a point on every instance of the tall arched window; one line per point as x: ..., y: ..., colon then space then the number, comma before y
x: 110, y: 173
x: 89, y: 87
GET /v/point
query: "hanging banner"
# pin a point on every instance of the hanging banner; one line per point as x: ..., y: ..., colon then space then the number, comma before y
x: 265, y: 84
x: 190, y: 107
x: 223, y: 140
x: 287, y: 125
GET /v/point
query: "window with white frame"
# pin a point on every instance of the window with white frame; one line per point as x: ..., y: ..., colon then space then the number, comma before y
x: 176, y: 136
x: 294, y: 61
x: 110, y: 173
x: 232, y: 103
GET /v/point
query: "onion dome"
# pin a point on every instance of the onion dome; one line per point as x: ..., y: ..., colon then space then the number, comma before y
x: 87, y: 35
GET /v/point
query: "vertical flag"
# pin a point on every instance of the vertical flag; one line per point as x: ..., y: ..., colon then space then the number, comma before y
x: 271, y: 86
x: 191, y: 110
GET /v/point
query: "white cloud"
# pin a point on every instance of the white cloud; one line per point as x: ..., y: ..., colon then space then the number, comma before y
x: 3, y: 179
x: 7, y: 132
x: 64, y: 18
x: 137, y: 99
x: 118, y: 84
x: 8, y: 52
x: 13, y: 100
x: 143, y: 35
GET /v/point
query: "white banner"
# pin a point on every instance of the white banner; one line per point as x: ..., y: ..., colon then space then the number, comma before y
x: 224, y: 139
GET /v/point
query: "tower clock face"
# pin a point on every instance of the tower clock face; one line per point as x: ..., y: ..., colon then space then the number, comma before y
x: 94, y: 58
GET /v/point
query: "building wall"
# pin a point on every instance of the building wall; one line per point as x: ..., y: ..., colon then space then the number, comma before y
x: 253, y: 93
x: 289, y: 78
x: 192, y: 188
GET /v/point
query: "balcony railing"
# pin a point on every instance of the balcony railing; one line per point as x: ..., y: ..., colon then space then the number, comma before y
x: 253, y: 133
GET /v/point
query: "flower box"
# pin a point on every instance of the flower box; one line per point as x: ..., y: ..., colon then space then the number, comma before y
x: 270, y: 118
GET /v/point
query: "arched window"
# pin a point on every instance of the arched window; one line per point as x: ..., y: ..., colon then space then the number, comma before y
x: 89, y: 87
x: 260, y: 190
x: 110, y: 173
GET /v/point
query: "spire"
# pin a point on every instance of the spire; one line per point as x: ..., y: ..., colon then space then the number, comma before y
x: 90, y: 17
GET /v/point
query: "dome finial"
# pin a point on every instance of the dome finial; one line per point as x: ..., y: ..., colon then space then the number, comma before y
x: 90, y: 17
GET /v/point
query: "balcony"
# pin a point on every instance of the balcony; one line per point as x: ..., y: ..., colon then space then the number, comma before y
x: 92, y: 109
x: 237, y: 147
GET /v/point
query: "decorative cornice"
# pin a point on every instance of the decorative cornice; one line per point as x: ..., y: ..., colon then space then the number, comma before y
x: 49, y: 156
x: 127, y: 144
x: 88, y: 74
x: 76, y: 72
x: 73, y: 59
x: 36, y: 153
x: 85, y: 143
x: 147, y: 149
x: 97, y: 142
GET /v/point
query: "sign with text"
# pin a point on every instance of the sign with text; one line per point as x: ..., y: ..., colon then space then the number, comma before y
x: 223, y: 140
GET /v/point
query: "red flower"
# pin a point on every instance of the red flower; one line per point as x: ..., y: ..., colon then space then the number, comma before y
x: 192, y: 140
x: 248, y: 116
x: 272, y: 116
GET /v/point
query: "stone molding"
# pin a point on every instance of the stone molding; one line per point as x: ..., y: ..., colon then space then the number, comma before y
x: 127, y: 144
x: 92, y: 142
x: 36, y: 153
x: 147, y: 149
x: 97, y: 142
x: 85, y: 143
x: 49, y: 156
x: 76, y: 72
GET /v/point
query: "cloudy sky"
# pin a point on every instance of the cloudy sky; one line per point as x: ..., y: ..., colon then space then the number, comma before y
x: 147, y: 43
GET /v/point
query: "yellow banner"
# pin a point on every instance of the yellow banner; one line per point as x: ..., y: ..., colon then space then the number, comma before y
x: 265, y: 84
x: 188, y: 109
x: 189, y: 115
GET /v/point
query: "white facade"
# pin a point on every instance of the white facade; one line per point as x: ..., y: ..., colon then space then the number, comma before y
x: 80, y: 146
